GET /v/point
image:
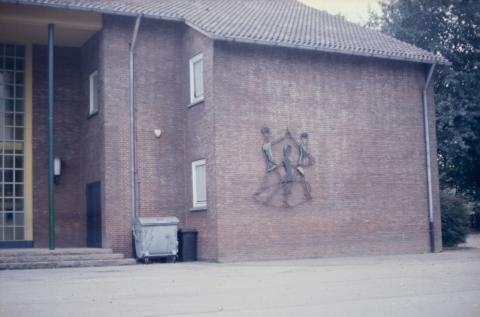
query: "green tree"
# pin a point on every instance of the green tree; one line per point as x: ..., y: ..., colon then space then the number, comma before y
x: 450, y: 28
x: 454, y: 219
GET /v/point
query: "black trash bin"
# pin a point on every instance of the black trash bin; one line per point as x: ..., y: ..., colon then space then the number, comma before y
x: 187, y: 245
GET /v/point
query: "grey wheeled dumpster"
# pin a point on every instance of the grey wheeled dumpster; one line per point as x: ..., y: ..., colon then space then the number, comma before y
x: 155, y: 237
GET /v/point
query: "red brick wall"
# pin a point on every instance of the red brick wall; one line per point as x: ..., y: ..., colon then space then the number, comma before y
x: 365, y: 122
x: 91, y: 140
x: 199, y: 143
x: 162, y: 52
x: 116, y: 187
x: 78, y: 141
x: 160, y: 103
x: 69, y: 213
x: 363, y: 116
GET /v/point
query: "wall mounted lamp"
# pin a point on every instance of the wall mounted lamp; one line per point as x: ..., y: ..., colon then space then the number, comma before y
x: 57, y: 169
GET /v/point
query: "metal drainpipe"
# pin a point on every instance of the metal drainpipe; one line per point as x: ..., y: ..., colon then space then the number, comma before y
x: 133, y: 145
x: 428, y: 158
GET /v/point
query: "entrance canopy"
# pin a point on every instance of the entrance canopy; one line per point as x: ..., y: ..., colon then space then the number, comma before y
x: 21, y: 27
x: 25, y: 24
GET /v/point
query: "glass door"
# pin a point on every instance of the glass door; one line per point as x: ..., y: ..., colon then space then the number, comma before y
x: 12, y: 118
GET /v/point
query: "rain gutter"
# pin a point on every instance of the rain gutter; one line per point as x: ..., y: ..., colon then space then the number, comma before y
x: 428, y: 157
x: 133, y: 139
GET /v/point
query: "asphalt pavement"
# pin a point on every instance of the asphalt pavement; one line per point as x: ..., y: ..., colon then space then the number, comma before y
x: 441, y: 284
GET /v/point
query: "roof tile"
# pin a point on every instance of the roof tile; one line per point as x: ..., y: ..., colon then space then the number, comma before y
x: 286, y: 23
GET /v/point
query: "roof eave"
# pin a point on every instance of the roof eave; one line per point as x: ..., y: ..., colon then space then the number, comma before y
x: 439, y: 61
x: 95, y: 9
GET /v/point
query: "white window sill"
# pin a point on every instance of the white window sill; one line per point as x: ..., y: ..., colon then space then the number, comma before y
x: 196, y: 102
x: 199, y: 208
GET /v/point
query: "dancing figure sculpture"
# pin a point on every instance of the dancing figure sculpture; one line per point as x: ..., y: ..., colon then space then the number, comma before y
x: 274, y: 180
x: 267, y: 148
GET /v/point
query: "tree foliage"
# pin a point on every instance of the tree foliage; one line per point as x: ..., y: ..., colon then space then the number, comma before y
x: 455, y: 219
x: 450, y: 28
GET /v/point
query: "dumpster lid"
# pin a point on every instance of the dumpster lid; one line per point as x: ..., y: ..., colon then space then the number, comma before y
x: 151, y: 221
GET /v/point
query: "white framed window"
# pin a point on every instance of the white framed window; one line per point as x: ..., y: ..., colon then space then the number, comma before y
x: 93, y: 103
x: 196, y: 78
x: 199, y: 183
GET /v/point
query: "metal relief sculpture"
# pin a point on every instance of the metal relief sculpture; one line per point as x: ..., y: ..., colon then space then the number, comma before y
x: 279, y: 185
x: 267, y: 148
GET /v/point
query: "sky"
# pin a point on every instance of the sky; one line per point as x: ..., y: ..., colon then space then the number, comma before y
x: 353, y: 10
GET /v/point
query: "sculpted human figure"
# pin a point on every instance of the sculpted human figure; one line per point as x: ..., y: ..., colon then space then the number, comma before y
x: 287, y: 179
x: 267, y: 148
x: 283, y: 180
x: 271, y: 164
x: 305, y: 159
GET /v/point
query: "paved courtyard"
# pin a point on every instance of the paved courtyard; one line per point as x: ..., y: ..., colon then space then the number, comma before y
x: 445, y: 284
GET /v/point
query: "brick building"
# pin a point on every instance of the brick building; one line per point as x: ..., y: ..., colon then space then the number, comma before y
x: 208, y: 76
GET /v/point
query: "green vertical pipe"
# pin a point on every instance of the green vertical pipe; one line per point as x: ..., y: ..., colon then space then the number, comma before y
x: 51, y: 154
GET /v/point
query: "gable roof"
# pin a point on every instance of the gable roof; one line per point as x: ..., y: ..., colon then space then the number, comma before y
x: 284, y: 23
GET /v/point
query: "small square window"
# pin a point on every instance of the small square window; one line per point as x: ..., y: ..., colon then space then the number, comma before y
x: 199, y: 183
x: 196, y: 79
x: 93, y: 108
